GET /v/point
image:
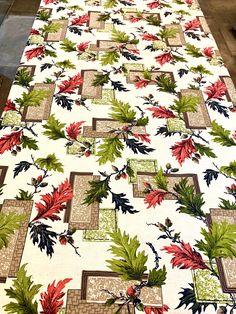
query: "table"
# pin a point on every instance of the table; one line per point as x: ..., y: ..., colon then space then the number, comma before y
x: 118, y: 168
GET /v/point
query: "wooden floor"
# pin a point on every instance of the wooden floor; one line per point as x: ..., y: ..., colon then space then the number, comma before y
x: 220, y: 17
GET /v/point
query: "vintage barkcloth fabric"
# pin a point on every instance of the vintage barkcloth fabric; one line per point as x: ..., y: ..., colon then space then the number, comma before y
x: 118, y: 164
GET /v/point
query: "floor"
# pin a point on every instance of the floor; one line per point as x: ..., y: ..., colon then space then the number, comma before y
x: 12, y: 43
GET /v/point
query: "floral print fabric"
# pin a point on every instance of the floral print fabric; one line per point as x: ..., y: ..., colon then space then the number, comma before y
x: 118, y: 166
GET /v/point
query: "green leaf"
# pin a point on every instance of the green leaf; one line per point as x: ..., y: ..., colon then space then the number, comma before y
x: 103, y: 17
x: 191, y: 202
x: 24, y: 292
x: 108, y: 4
x: 179, y: 59
x: 226, y: 204
x: 101, y: 79
x: 75, y: 7
x: 120, y: 37
x: 204, y: 150
x: 142, y: 121
x: 110, y: 301
x: 186, y: 104
x: 54, y: 128
x: 219, y: 241
x: 165, y: 83
x: 182, y: 12
x: 161, y: 180
x: 122, y: 112
x: 129, y: 171
x: 153, y: 20
x: 156, y: 278
x: 23, y: 77
x: 50, y: 53
x: 67, y: 45
x: 24, y: 196
x: 129, y: 263
x: 66, y: 64
x: 193, y: 51
x: 8, y: 224
x: 147, y: 74
x: 51, y: 28
x: 109, y: 150
x: 110, y: 57
x: 178, y: 2
x: 50, y: 163
x: 200, y: 69
x: 28, y: 142
x: 229, y: 170
x: 98, y: 190
x: 33, y: 98
x: 221, y: 135
x: 166, y: 33
x: 43, y: 15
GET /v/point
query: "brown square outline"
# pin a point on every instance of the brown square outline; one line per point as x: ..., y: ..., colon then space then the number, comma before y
x: 140, y: 194
x: 94, y: 223
x: 49, y: 99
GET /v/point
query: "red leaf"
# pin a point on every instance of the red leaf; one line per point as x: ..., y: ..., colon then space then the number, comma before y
x: 10, y: 105
x: 135, y: 19
x: 189, y: 2
x: 143, y: 137
x: 161, y: 112
x: 149, y: 37
x: 34, y: 32
x: 142, y: 83
x: 182, y: 150
x: 192, y: 25
x: 185, y: 257
x: 79, y: 21
x: 49, y: 1
x: 154, y: 198
x: 154, y: 4
x: 83, y: 46
x: 69, y: 86
x: 216, y: 90
x: 74, y: 129
x: 208, y: 52
x: 35, y: 52
x: 135, y: 51
x: 8, y: 141
x: 164, y: 58
x: 156, y: 310
x: 55, y: 202
x: 51, y: 300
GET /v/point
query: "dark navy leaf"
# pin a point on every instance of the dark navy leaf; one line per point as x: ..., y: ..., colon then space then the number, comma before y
x: 75, y: 30
x: 21, y: 166
x: 130, y: 56
x: 138, y: 147
x: 188, y: 299
x: 122, y: 203
x: 119, y: 86
x: 182, y: 72
x: 43, y: 237
x: 117, y: 22
x: 216, y: 106
x: 64, y: 102
x: 45, y: 66
x: 210, y: 174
